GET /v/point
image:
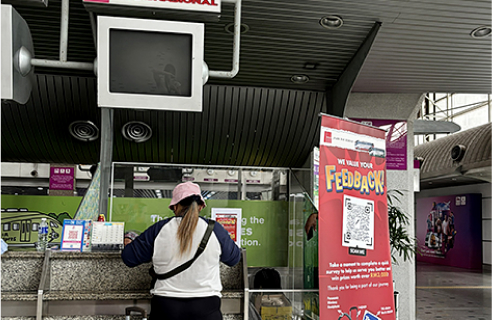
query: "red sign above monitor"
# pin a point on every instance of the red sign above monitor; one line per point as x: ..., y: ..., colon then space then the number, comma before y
x: 192, y: 5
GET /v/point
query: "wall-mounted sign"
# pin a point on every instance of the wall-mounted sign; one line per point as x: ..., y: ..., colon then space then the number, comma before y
x: 192, y: 5
x: 396, y: 141
x: 62, y: 178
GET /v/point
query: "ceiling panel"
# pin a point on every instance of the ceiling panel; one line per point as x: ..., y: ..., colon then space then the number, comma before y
x: 240, y: 126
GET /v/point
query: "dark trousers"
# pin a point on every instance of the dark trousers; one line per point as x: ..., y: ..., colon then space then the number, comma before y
x: 167, y: 308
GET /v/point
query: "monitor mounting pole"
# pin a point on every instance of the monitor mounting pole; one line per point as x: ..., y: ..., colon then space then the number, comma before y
x: 235, y: 53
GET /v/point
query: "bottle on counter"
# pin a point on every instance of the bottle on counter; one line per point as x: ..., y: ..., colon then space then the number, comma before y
x: 42, y: 243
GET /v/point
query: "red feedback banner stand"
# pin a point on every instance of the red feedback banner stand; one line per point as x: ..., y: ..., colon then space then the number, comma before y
x: 355, y: 279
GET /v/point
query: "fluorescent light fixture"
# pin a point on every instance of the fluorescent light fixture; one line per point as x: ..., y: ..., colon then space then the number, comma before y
x: 299, y: 78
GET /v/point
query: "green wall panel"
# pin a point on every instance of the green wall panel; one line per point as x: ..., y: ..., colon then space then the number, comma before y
x: 264, y: 223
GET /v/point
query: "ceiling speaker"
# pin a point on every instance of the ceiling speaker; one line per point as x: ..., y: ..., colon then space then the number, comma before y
x: 136, y: 131
x: 84, y: 130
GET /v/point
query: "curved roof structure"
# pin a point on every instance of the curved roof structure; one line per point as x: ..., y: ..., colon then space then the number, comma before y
x: 438, y: 167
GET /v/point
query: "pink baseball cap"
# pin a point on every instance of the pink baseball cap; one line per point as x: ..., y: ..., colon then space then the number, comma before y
x: 185, y: 190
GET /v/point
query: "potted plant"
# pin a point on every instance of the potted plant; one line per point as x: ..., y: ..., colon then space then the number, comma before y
x: 402, y: 245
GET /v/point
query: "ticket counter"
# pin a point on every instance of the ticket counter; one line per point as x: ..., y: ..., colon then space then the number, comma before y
x: 61, y: 285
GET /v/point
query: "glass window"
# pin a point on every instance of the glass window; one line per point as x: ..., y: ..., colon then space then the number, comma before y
x: 35, y: 226
x: 15, y: 226
x: 6, y: 227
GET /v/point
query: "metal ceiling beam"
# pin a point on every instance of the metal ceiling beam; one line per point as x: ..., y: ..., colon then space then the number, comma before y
x: 62, y: 63
x: 337, y: 95
x: 236, y: 45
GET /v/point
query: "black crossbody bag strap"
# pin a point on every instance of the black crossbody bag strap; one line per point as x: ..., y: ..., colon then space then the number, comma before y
x: 186, y: 265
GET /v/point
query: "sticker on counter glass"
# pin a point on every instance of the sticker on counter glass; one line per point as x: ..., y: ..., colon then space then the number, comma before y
x: 230, y: 219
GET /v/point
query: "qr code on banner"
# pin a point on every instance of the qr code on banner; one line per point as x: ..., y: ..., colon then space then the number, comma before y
x: 358, y: 223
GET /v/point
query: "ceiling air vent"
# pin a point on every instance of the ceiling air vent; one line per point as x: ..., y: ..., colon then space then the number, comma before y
x: 83, y: 130
x: 458, y: 152
x: 136, y: 131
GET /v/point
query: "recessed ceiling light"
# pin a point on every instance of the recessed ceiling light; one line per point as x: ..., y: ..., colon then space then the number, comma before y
x: 230, y: 28
x: 331, y: 22
x: 299, y: 78
x: 481, y: 32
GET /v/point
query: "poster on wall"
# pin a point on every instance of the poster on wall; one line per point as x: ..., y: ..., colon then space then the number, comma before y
x: 396, y: 141
x: 62, y: 178
x: 355, y: 276
x: 230, y: 219
x: 449, y: 230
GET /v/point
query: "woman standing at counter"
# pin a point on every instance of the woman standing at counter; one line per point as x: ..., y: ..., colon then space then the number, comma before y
x: 195, y: 292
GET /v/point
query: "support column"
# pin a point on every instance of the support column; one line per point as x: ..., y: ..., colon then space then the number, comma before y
x: 396, y: 107
x: 106, y: 155
x: 128, y: 182
x: 336, y: 96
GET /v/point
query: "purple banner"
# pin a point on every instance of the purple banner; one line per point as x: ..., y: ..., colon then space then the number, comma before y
x: 449, y: 230
x: 62, y: 178
x: 396, y: 141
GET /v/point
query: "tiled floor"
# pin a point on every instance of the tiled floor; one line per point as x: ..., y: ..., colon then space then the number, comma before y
x: 452, y: 293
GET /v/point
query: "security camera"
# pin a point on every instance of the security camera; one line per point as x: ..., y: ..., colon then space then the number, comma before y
x: 458, y: 152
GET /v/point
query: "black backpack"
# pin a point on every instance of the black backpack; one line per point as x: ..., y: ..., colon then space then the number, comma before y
x: 267, y: 278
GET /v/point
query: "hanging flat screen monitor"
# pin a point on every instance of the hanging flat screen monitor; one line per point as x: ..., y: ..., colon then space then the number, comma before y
x: 150, y: 64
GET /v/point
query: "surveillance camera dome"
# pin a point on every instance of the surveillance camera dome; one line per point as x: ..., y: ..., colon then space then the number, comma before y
x: 458, y: 152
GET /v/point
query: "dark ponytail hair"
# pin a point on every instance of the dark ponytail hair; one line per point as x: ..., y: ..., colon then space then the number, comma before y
x: 188, y: 209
